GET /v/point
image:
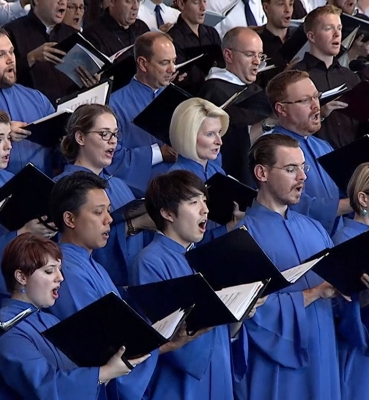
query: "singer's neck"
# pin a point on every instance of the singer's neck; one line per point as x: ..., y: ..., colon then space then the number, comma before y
x: 327, y: 59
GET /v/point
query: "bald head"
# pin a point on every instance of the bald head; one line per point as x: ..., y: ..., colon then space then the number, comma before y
x: 242, y: 49
x: 144, y: 44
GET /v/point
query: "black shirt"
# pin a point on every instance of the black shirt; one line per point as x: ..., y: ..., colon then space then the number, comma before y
x: 109, y: 37
x: 184, y: 38
x: 338, y: 129
x: 27, y: 33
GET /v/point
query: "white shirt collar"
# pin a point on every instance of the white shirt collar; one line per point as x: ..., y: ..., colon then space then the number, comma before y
x: 224, y: 75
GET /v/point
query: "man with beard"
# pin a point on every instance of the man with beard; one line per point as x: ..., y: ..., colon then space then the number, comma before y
x: 295, y: 100
x: 323, y: 29
x: 34, y: 38
x: 292, y: 343
x: 24, y: 105
x: 243, y: 54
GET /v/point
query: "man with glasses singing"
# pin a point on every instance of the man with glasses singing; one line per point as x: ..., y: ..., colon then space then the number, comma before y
x: 243, y: 54
x: 295, y: 100
x: 292, y: 343
x: 323, y: 29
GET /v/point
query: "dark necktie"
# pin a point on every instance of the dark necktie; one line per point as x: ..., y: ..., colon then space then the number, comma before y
x: 159, y: 18
x: 250, y: 19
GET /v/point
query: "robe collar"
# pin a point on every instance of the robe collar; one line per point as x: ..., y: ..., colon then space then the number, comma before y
x: 17, y: 305
x: 137, y: 85
x: 260, y: 211
x: 169, y: 243
x: 300, y: 138
x: 224, y: 75
x: 359, y: 227
x: 70, y: 168
x: 71, y: 247
x: 199, y: 168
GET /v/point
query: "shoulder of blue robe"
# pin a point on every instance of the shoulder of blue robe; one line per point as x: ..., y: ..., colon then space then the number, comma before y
x: 161, y: 260
x: 80, y: 270
x: 40, y: 370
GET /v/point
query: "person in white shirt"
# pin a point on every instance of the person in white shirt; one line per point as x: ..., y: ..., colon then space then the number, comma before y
x: 11, y: 11
x: 150, y: 10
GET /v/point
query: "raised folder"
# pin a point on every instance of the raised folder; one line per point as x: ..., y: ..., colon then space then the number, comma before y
x: 131, y: 210
x: 358, y: 102
x: 211, y: 308
x: 92, y: 335
x: 223, y: 190
x: 340, y: 164
x: 48, y: 131
x: 25, y: 197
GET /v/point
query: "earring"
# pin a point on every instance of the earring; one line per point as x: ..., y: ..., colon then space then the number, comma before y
x: 364, y: 212
x: 23, y: 290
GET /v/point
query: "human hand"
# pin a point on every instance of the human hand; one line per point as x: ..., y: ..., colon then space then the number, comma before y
x: 358, y: 48
x: 38, y: 228
x: 325, y: 111
x: 87, y: 79
x: 17, y: 133
x: 46, y: 52
x: 258, y: 304
x: 169, y: 155
x: 237, y: 217
x: 165, y: 28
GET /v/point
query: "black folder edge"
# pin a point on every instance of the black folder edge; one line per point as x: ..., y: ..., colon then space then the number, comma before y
x: 63, y: 344
x: 125, y: 212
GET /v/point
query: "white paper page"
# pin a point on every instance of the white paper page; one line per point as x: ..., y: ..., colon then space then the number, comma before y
x: 168, y: 325
x: 188, y: 61
x: 293, y: 274
x: 119, y: 53
x: 333, y: 91
x: 52, y: 116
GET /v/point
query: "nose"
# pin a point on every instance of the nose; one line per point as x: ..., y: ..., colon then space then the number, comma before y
x: 8, y: 144
x: 301, y: 175
x: 108, y: 219
x: 59, y: 277
x: 204, y: 208
x: 218, y: 140
x: 171, y: 67
x: 135, y: 5
x: 202, y: 5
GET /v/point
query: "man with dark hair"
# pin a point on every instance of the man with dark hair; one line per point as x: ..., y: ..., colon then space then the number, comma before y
x: 295, y: 100
x: 292, y: 351
x: 243, y: 54
x: 324, y: 32
x: 117, y: 28
x: 34, y: 38
x: 155, y: 62
x: 202, y: 370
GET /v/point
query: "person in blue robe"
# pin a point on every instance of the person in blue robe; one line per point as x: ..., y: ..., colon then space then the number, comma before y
x: 30, y: 366
x: 297, y: 108
x: 154, y: 73
x: 202, y: 369
x: 353, y: 317
x: 6, y: 153
x: 24, y: 105
x: 86, y: 149
x: 292, y: 342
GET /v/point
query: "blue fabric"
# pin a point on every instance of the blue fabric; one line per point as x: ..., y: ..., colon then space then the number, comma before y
x: 32, y: 368
x: 292, y: 349
x: 202, y: 369
x: 27, y: 105
x: 85, y: 282
x: 353, y: 338
x: 320, y: 196
x: 118, y: 255
x: 136, y: 170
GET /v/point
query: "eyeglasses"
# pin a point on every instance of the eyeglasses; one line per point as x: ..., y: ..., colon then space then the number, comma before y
x: 74, y: 8
x: 107, y: 135
x: 251, y: 54
x: 306, y: 101
x: 294, y: 169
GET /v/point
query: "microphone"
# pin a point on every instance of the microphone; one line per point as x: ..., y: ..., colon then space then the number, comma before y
x: 359, y: 64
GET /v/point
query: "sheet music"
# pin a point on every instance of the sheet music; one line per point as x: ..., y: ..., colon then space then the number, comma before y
x: 293, y: 274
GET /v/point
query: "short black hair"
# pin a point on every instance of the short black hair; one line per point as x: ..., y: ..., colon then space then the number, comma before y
x: 167, y: 191
x: 69, y: 194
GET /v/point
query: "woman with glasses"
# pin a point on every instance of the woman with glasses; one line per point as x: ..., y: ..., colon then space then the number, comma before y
x: 353, y: 317
x: 90, y: 143
x: 74, y: 14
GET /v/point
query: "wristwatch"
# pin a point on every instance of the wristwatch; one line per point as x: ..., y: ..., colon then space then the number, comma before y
x: 265, y: 127
x: 131, y: 230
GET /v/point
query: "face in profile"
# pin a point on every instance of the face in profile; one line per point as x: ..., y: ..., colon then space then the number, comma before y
x: 8, y: 72
x: 5, y: 145
x: 51, y: 12
x: 74, y: 13
x: 209, y: 139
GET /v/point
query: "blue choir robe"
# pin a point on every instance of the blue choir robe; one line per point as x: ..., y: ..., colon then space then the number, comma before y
x: 27, y: 105
x: 32, y: 368
x: 353, y: 336
x: 292, y: 349
x: 213, y: 230
x: 118, y: 255
x: 203, y: 368
x: 136, y: 170
x: 5, y: 235
x: 86, y: 281
x: 320, y: 197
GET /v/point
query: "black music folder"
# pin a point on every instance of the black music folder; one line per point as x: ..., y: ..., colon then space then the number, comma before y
x: 92, y: 335
x: 212, y: 56
x: 131, y: 210
x: 236, y: 258
x: 210, y: 309
x: 223, y: 191
x: 25, y: 197
x: 333, y: 94
x: 122, y: 72
x: 351, y: 22
x: 358, y: 102
x: 340, y: 164
x: 156, y: 117
x: 49, y: 131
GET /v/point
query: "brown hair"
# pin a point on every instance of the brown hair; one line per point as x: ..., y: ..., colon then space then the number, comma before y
x: 263, y: 150
x: 83, y: 119
x: 312, y: 19
x: 144, y: 44
x: 27, y: 252
x: 359, y: 182
x: 276, y: 89
x: 4, y: 117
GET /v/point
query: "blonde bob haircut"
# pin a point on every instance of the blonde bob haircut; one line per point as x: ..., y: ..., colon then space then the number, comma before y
x: 359, y: 182
x: 186, y: 123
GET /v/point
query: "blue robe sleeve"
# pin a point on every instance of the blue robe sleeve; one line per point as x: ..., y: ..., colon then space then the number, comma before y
x: 5, y: 238
x: 29, y: 374
x: 279, y: 329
